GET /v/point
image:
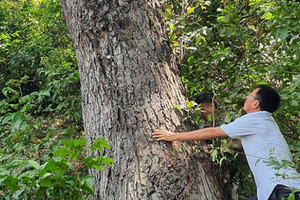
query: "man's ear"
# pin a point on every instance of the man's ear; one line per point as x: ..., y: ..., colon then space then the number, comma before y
x: 256, y: 104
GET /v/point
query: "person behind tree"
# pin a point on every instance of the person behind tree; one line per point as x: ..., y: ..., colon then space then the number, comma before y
x: 207, y: 103
x: 212, y: 116
x: 259, y: 135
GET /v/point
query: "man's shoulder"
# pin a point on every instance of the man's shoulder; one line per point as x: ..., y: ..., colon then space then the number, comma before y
x: 250, y: 117
x: 258, y: 114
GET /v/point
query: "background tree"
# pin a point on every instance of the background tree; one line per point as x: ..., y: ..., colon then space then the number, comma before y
x: 129, y: 86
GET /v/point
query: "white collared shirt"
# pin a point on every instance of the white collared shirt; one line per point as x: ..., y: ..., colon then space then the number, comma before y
x: 260, y: 135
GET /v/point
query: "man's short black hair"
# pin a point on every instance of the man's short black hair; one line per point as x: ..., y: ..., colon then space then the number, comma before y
x: 268, y: 98
x: 204, y: 98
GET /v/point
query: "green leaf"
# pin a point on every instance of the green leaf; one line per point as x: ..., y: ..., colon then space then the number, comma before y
x: 191, y: 10
x: 67, y: 143
x: 80, y: 142
x: 227, y: 118
x: 89, y: 161
x: 190, y: 104
x: 45, y: 93
x: 12, y: 183
x: 177, y: 107
x: 98, y: 167
x: 61, y: 152
x: 199, y: 39
x: 74, y: 143
x: 57, y: 166
x: 18, y: 118
x: 281, y: 34
x: 6, y: 91
x: 214, y: 154
x: 165, y: 14
x: 46, y: 180
x: 224, y: 19
x: 99, y: 144
x: 168, y: 11
x: 268, y: 16
x: 257, y: 161
x: 107, y: 161
x: 34, y: 164
x: 87, y: 185
x: 294, y: 103
x: 7, y: 118
x: 17, y: 193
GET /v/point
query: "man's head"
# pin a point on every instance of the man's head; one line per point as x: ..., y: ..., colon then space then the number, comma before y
x: 263, y: 98
x: 206, y: 100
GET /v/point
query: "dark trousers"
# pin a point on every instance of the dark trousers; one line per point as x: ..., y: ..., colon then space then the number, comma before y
x: 279, y: 192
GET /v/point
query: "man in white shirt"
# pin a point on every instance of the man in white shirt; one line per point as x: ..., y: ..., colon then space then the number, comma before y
x: 259, y: 135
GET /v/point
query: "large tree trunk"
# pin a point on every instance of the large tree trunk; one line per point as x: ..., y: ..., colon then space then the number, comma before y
x: 129, y: 85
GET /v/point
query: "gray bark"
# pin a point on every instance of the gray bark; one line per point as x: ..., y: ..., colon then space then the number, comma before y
x: 129, y: 85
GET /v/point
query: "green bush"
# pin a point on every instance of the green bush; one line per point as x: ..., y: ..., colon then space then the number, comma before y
x: 40, y: 107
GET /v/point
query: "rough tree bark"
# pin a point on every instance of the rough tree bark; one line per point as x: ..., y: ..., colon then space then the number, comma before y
x: 129, y: 84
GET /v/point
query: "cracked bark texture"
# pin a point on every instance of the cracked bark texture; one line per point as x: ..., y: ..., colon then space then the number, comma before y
x: 129, y: 84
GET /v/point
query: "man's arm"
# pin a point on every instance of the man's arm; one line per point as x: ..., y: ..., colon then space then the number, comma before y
x: 200, y: 134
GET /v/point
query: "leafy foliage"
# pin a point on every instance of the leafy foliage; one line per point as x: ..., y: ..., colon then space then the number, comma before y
x: 59, y: 177
x: 226, y: 48
x: 40, y: 107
